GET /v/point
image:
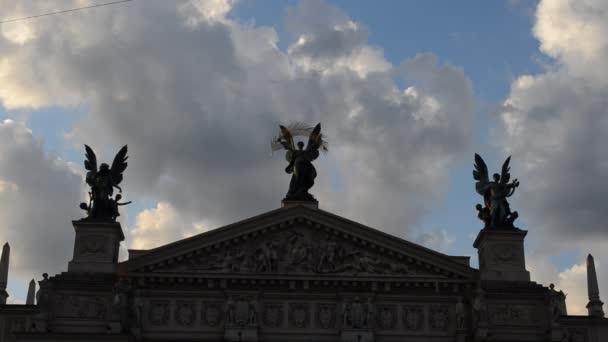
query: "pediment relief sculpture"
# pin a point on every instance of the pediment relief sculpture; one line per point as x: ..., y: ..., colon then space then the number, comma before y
x: 297, y: 250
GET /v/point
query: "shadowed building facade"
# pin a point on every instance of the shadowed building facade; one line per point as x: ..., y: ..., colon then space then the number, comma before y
x: 297, y: 273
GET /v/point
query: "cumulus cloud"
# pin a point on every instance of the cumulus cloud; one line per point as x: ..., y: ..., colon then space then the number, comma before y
x: 555, y: 124
x: 197, y: 95
x: 39, y: 196
x: 161, y: 225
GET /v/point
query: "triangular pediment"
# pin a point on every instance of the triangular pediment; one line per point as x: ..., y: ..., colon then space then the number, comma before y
x: 298, y: 241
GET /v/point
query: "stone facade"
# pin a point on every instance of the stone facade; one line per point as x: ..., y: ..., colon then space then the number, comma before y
x: 297, y: 273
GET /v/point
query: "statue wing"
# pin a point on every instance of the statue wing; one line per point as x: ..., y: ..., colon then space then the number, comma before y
x: 315, y: 141
x: 480, y: 174
x: 90, y: 162
x: 119, y: 165
x: 505, y: 175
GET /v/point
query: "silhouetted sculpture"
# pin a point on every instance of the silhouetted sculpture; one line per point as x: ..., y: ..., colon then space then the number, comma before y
x: 496, y: 213
x: 303, y: 173
x: 102, y: 182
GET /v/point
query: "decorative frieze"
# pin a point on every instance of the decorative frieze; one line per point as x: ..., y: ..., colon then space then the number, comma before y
x: 81, y: 306
x: 273, y: 314
x: 299, y: 314
x: 386, y: 317
x: 326, y: 315
x: 185, y: 313
x: 413, y: 317
x: 158, y: 313
x: 212, y: 313
x: 439, y: 317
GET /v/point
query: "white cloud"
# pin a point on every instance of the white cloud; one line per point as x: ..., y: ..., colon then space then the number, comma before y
x: 554, y: 125
x: 39, y: 196
x: 161, y: 225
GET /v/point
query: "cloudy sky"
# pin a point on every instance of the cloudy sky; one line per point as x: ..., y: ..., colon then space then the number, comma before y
x: 406, y: 92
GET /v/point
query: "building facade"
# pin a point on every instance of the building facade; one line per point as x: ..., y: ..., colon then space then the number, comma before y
x: 297, y: 273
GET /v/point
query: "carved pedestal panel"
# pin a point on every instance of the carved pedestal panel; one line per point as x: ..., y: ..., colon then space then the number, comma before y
x: 96, y: 247
x: 501, y: 255
x: 357, y: 335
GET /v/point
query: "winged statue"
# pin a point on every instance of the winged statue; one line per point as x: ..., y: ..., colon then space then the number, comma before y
x: 102, y: 181
x: 496, y: 213
x: 303, y: 172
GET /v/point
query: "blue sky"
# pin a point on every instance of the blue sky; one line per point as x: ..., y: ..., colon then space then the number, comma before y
x: 86, y: 88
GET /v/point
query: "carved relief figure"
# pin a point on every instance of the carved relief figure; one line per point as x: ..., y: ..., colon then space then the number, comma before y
x: 460, y: 314
x: 480, y: 308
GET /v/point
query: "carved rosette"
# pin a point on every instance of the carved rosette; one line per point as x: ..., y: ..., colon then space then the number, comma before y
x: 386, y: 316
x: 298, y: 314
x: 159, y: 312
x: 413, y: 317
x: 326, y: 315
x: 212, y: 313
x: 439, y: 317
x: 273, y: 314
x: 184, y: 313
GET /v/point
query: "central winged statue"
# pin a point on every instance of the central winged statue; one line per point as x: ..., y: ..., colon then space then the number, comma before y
x: 102, y: 181
x: 303, y: 173
x: 496, y: 213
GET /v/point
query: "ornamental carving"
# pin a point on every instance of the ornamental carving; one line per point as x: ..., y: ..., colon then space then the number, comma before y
x: 159, y: 313
x: 212, y: 313
x: 298, y: 314
x: 413, y: 317
x: 299, y: 250
x: 438, y: 317
x: 184, y: 313
x: 504, y: 253
x: 241, y: 311
x: 386, y: 317
x: 326, y: 315
x: 79, y: 306
x: 273, y: 314
x: 90, y: 245
x: 509, y: 314
x: 577, y: 335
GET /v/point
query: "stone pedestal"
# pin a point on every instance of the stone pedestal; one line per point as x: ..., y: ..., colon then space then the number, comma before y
x: 96, y: 247
x: 501, y: 254
x: 247, y: 333
x: 357, y: 335
x: 309, y: 204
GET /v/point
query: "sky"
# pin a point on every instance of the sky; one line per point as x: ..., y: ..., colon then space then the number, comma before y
x: 406, y: 91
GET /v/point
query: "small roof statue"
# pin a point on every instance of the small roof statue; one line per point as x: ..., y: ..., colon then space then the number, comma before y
x: 303, y: 172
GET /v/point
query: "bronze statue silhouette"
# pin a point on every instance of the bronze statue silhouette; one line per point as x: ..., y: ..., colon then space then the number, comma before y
x: 101, y: 205
x: 303, y: 172
x: 497, y: 212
